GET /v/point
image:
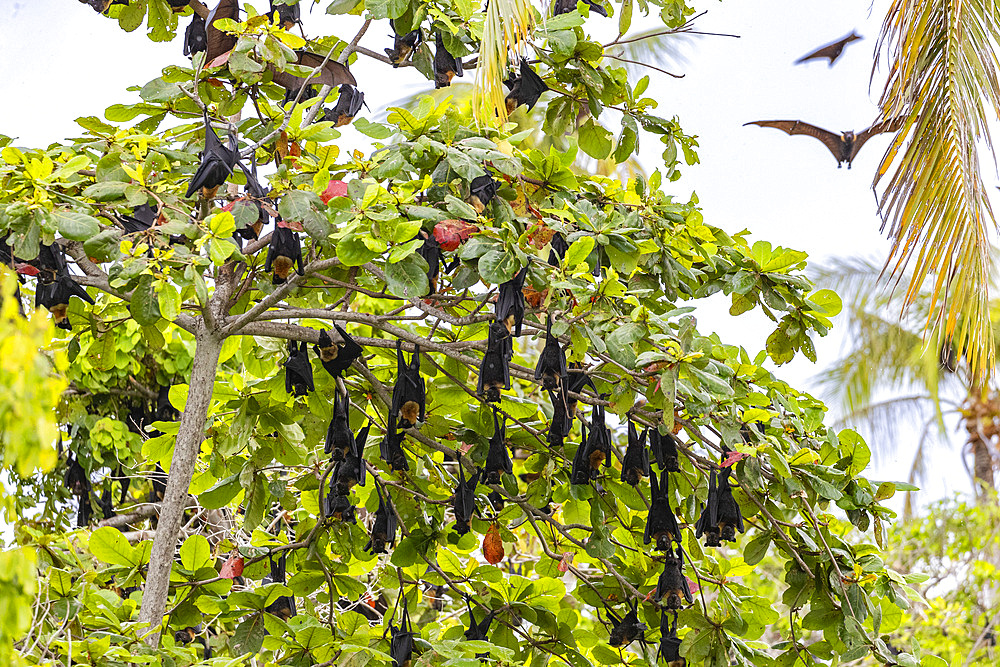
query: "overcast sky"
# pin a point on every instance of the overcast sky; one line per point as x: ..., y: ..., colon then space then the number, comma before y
x: 61, y: 61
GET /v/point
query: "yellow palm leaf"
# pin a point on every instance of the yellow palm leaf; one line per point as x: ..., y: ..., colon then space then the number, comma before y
x: 508, y: 23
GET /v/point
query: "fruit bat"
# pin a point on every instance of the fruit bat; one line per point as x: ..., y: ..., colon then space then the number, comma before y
x: 401, y: 644
x: 76, y: 479
x: 510, y: 302
x: 551, y: 366
x: 577, y: 381
x: 664, y: 450
x: 84, y: 512
x: 195, y: 36
x: 580, y: 470
x: 402, y: 45
x: 106, y: 502
x: 258, y: 194
x: 340, y: 508
x: 293, y: 94
x: 721, y: 517
x: 284, y: 606
x: 563, y: 6
x: 391, y: 449
x: 408, y: 395
x: 672, y: 584
x: 525, y: 88
x: 635, y: 464
x: 218, y: 42
x: 831, y: 50
x: 626, y: 629
x: 446, y: 66
x: 661, y: 524
x: 178, y: 5
x: 498, y: 457
x: 189, y: 634
x: 435, y: 596
x: 142, y: 218
x: 51, y: 263
x: 288, y: 15
x: 336, y: 357
x: 557, y: 249
x: 482, y: 190
x: 561, y: 423
x: 158, y: 485
x: 431, y: 251
x: 494, y: 372
x: 284, y: 253
x: 165, y: 411
x: 101, y: 6
x: 331, y: 74
x: 55, y: 297
x: 599, y: 442
x: 464, y: 502
x: 125, y: 483
x: 384, y: 527
x: 217, y: 163
x: 670, y: 643
x: 844, y: 146
x: 478, y: 631
x: 339, y: 439
x: 348, y: 105
x: 352, y: 469
x: 298, y: 370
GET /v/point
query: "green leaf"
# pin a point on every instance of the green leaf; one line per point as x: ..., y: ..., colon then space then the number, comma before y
x: 498, y: 266
x: 221, y: 493
x: 107, y: 544
x: 75, y: 226
x: 756, y: 548
x: 195, y: 553
x: 595, y: 140
x: 408, y: 277
x: 579, y: 251
x: 144, y: 306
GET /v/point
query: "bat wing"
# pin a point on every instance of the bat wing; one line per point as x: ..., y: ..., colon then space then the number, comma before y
x: 348, y: 346
x: 216, y: 41
x: 831, y: 51
x: 332, y: 74
x: 829, y: 139
x: 891, y: 125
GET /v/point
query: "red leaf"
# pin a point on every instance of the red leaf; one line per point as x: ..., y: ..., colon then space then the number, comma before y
x: 287, y: 224
x: 733, y: 457
x: 693, y: 585
x: 232, y: 568
x: 334, y: 189
x: 453, y: 233
x: 493, y: 545
x: 26, y: 269
x: 229, y: 207
x: 219, y: 61
x: 564, y: 564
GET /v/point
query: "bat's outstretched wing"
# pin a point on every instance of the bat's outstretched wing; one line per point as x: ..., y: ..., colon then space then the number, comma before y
x: 831, y: 140
x: 831, y: 51
x: 891, y: 125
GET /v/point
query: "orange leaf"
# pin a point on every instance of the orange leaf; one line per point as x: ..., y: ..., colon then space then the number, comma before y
x: 493, y: 545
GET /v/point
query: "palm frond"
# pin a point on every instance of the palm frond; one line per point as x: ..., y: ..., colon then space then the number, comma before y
x: 653, y: 47
x: 507, y: 25
x: 942, y: 81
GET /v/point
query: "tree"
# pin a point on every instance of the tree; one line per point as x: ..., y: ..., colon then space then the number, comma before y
x: 190, y: 314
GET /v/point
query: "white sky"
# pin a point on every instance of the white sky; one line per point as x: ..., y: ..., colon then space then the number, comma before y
x: 59, y: 60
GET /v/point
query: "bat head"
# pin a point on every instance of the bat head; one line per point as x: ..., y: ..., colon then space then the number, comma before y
x: 663, y: 542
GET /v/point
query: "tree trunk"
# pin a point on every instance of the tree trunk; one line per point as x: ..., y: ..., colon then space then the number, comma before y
x: 186, y: 448
x: 982, y: 468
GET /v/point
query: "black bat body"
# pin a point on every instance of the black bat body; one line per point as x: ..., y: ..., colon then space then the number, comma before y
x: 563, y: 6
x: 106, y: 502
x: 401, y: 643
x: 433, y: 255
x: 482, y: 190
x: 218, y: 42
x: 627, y: 630
x: 330, y: 73
x: 75, y: 478
x: 494, y: 372
x: 402, y: 45
x: 845, y: 146
x: 84, y: 512
x: 561, y: 423
x: 831, y: 51
x: 284, y: 253
x: 661, y: 524
x: 142, y: 218
x: 352, y: 470
x: 580, y: 470
x: 557, y: 249
x: 498, y: 458
x: 284, y: 606
x: 598, y: 443
x: 339, y: 439
x: 670, y: 644
x: 577, y: 381
x: 195, y: 36
x: 525, y: 88
x: 409, y: 393
x: 288, y: 15
x: 165, y: 411
x: 664, y: 450
x: 217, y: 163
x: 384, y: 528
x: 672, y: 584
x: 446, y: 66
x: 51, y: 263
x: 728, y: 518
x: 258, y: 194
x: 298, y: 370
x: 391, y: 449
x: 464, y: 502
x: 340, y: 508
x: 337, y: 357
x: 510, y: 302
x: 347, y: 107
x: 635, y: 464
x: 479, y: 631
x: 55, y: 297
x: 551, y: 366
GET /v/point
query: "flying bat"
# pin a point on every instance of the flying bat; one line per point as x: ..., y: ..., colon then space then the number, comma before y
x: 401, y: 642
x: 672, y: 584
x: 446, y: 66
x: 626, y: 629
x: 665, y: 450
x: 408, y: 395
x: 525, y: 88
x: 831, y: 50
x: 217, y: 163
x: 482, y: 190
x: 284, y: 606
x: 494, y: 372
x: 402, y: 45
x: 498, y: 457
x: 331, y: 73
x: 195, y: 36
x: 551, y: 366
x: 142, y: 218
x: 384, y: 528
x: 510, y: 302
x: 284, y: 253
x: 337, y: 357
x: 339, y: 439
x: 661, y: 524
x: 670, y: 643
x: 352, y: 470
x: 348, y: 105
x: 288, y: 15
x: 845, y: 146
x: 464, y: 502
x: 298, y: 370
x: 563, y: 6
x: 635, y: 464
x: 55, y: 297
x: 218, y: 42
x: 557, y: 249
